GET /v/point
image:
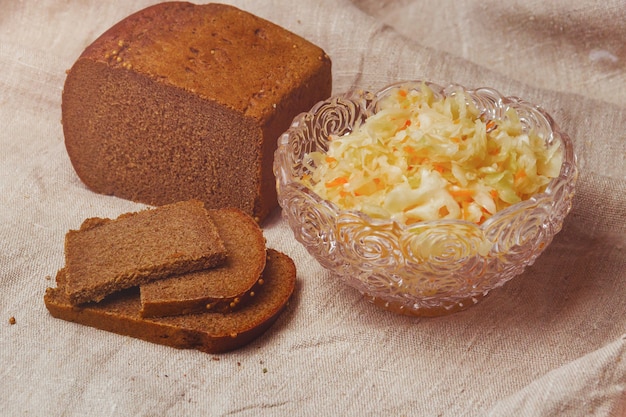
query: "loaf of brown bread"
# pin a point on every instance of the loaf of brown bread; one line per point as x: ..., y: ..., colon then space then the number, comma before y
x: 210, y: 332
x: 181, y: 101
x: 223, y: 288
x: 106, y: 256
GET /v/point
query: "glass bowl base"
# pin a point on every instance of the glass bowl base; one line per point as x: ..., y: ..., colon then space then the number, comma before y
x: 424, y: 310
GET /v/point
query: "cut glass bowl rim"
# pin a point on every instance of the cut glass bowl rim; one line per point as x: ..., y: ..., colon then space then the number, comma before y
x: 568, y: 167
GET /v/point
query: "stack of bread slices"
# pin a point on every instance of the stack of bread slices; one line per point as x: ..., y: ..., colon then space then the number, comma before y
x: 178, y: 275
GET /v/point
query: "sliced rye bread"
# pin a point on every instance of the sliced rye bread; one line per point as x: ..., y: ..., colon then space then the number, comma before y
x: 209, y: 332
x: 106, y: 256
x: 223, y: 288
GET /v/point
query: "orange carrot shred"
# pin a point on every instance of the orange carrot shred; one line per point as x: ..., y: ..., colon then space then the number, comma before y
x: 336, y: 182
x: 464, y: 194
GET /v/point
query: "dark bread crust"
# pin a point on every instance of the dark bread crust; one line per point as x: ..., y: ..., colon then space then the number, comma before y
x: 209, y: 332
x: 181, y: 101
x: 106, y: 256
x: 223, y: 288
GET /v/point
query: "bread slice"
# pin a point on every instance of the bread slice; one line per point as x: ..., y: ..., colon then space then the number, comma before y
x: 223, y: 288
x: 106, y: 256
x: 209, y: 332
x: 181, y: 101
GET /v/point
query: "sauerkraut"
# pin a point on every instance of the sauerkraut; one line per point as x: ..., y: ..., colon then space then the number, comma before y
x: 422, y: 157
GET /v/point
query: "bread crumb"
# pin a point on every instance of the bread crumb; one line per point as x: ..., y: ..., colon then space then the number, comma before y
x: 12, y: 320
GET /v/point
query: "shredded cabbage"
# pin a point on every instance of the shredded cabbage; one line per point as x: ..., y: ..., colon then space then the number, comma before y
x: 421, y: 157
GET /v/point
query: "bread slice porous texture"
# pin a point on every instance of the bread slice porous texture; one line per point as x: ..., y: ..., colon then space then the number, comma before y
x: 223, y: 288
x: 105, y: 256
x: 209, y: 332
x: 181, y: 101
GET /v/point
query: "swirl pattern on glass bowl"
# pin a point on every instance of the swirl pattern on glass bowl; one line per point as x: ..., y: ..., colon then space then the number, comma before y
x: 429, y: 268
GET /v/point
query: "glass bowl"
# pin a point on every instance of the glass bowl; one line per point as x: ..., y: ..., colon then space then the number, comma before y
x: 429, y: 268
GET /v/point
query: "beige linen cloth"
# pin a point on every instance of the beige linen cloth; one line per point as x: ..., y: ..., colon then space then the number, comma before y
x: 552, y: 342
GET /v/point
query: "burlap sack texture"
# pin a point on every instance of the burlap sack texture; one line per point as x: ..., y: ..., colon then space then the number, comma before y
x: 550, y: 343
